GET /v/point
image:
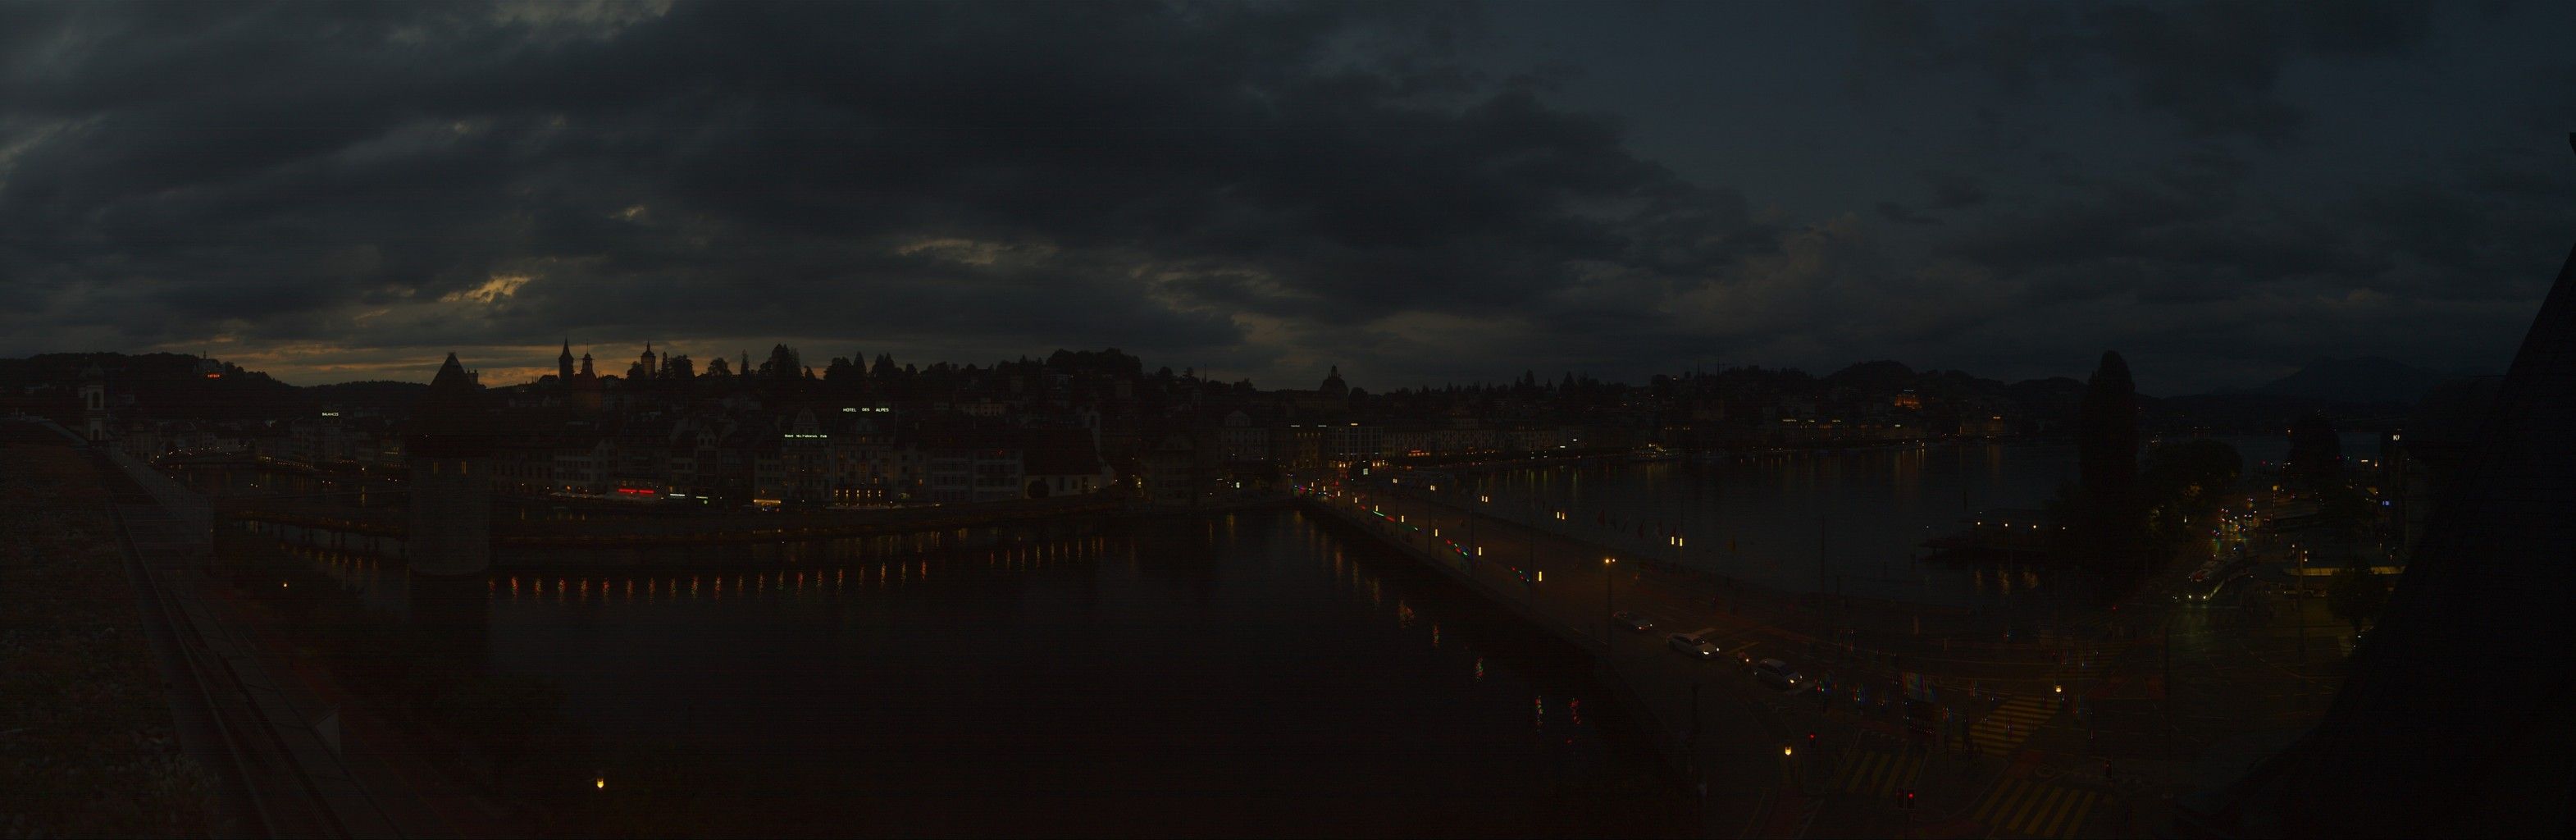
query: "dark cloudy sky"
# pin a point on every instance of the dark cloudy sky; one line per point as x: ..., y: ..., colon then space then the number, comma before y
x: 1418, y: 193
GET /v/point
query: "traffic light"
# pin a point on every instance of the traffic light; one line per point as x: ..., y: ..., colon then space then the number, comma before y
x: 1908, y: 802
x: 1811, y: 739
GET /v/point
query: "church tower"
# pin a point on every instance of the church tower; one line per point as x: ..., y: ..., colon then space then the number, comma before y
x: 646, y: 366
x: 563, y: 364
x: 448, y: 444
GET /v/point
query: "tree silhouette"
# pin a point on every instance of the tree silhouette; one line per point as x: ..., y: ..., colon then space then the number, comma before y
x: 2184, y: 479
x: 782, y: 363
x: 2316, y: 456
x: 2356, y: 595
x: 841, y: 372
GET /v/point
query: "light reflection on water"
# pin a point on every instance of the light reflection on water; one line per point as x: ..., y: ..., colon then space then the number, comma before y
x: 1260, y: 658
x: 1849, y: 521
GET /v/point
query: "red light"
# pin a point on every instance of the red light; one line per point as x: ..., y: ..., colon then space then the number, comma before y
x: 214, y: 376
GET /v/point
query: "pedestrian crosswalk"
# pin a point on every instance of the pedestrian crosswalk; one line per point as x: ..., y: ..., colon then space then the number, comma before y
x: 2035, y: 809
x: 1877, y: 773
x: 2002, y: 731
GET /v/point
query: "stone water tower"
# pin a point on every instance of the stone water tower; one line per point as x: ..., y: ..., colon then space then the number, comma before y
x: 448, y: 445
x: 93, y: 397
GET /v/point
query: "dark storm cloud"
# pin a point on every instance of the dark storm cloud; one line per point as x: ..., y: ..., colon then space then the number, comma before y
x: 1260, y: 188
x: 1097, y: 173
x: 2214, y: 66
x: 1898, y: 213
x: 1952, y: 191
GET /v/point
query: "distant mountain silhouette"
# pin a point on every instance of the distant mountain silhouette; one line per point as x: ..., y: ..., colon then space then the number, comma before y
x: 2369, y: 379
x: 1879, y: 376
x: 377, y: 394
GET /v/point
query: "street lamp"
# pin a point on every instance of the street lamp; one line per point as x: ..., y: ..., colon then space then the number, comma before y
x: 1607, y: 609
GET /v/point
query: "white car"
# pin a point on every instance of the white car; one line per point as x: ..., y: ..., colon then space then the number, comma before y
x: 1776, y: 674
x: 1701, y: 643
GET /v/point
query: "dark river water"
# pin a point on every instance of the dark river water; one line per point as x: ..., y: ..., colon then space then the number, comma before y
x: 1252, y: 673
x: 1245, y: 674
x: 1824, y: 521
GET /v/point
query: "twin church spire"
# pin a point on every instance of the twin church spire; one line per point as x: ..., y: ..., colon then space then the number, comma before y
x: 650, y: 365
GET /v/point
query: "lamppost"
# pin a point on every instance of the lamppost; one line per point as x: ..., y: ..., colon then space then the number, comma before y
x: 2300, y: 607
x: 2171, y: 696
x: 1608, y: 610
x: 1472, y: 545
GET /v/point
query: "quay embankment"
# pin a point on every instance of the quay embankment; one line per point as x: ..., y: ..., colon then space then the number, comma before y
x: 643, y: 541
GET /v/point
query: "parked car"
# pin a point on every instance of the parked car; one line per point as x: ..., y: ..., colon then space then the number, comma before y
x: 1634, y: 621
x: 1701, y: 643
x: 1778, y: 675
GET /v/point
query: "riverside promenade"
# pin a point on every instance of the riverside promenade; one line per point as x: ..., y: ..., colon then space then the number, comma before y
x: 1779, y: 764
